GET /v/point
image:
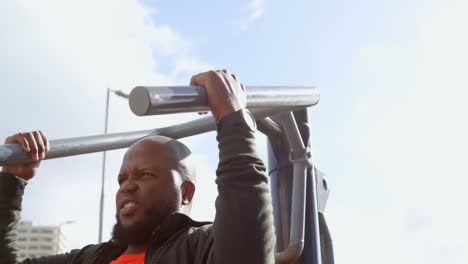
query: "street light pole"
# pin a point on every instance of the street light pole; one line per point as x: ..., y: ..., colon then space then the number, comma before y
x: 61, y: 247
x: 101, y: 204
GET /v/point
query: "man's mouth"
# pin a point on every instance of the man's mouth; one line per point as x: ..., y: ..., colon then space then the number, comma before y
x: 128, y: 208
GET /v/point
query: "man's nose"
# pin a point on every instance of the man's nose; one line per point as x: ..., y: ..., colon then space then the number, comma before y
x: 128, y: 186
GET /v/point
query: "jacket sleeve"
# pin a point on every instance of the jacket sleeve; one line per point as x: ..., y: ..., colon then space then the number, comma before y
x: 243, y: 226
x: 11, y: 194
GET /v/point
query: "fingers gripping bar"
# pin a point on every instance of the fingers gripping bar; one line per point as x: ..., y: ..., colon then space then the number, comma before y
x: 158, y: 100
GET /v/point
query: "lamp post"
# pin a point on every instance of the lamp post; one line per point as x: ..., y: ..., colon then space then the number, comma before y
x: 61, y: 246
x: 101, y: 205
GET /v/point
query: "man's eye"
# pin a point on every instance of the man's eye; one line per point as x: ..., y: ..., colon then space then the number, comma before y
x: 147, y: 174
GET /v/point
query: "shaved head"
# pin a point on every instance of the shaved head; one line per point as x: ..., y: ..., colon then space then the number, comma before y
x: 175, y: 149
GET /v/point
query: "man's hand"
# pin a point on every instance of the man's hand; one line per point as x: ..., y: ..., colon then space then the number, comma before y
x: 225, y: 93
x: 36, y: 144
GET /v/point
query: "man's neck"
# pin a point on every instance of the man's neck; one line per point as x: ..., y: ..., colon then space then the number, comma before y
x: 135, y: 249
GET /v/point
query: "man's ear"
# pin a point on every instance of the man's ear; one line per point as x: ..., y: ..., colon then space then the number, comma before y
x: 188, y: 190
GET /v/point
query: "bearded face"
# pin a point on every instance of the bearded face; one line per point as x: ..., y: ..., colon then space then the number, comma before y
x: 140, y: 231
x: 150, y: 190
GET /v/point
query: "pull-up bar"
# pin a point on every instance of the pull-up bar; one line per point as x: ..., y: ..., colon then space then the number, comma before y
x: 158, y: 100
x: 263, y: 102
x: 162, y: 100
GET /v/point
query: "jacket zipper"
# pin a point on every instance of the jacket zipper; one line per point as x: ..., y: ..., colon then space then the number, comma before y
x: 159, y: 251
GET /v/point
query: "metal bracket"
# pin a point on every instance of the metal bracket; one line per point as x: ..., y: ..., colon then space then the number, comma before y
x: 306, y: 156
x: 323, y: 190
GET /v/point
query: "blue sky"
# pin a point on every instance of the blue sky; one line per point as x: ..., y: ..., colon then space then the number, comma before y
x: 389, y: 130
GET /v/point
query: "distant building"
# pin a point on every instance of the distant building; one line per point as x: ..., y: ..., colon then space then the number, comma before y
x: 36, y: 241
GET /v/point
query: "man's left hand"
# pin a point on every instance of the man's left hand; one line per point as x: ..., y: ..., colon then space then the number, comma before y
x: 225, y: 93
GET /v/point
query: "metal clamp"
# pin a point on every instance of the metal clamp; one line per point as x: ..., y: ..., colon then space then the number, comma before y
x: 305, y: 157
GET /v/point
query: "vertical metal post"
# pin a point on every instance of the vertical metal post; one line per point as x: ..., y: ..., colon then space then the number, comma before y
x: 312, y: 222
x: 298, y: 158
x: 280, y: 193
x: 313, y: 247
x: 101, y: 204
x: 281, y: 171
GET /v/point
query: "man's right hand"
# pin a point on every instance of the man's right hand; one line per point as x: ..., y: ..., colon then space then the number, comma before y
x: 36, y: 144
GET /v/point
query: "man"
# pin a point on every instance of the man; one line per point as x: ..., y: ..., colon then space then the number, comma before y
x: 156, y: 188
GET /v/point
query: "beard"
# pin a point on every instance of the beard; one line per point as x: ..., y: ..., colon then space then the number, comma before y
x: 139, y: 232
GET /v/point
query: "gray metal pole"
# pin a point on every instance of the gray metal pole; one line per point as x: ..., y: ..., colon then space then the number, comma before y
x: 101, y: 203
x: 317, y: 194
x: 280, y: 171
x: 157, y: 100
x: 299, y: 175
x: 12, y: 153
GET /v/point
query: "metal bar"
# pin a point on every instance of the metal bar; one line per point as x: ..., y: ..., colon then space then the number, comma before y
x: 299, y: 203
x: 157, y: 100
x: 314, y: 213
x: 269, y: 127
x: 320, y: 191
x: 301, y: 162
x: 273, y: 173
x: 280, y: 170
x: 327, y: 243
x: 12, y: 153
x: 299, y: 187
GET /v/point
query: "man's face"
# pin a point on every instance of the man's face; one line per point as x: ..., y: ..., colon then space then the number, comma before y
x: 148, y: 180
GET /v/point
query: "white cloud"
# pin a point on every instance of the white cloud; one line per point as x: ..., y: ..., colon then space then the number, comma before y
x: 190, y: 65
x: 186, y: 67
x: 256, y: 10
x: 168, y: 42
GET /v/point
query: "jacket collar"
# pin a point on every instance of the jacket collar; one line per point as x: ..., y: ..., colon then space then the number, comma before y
x: 171, y: 226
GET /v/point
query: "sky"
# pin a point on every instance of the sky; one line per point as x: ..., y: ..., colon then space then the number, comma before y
x: 389, y: 131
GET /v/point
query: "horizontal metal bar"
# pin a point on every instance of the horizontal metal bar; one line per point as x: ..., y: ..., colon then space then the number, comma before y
x: 12, y: 153
x: 157, y: 100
